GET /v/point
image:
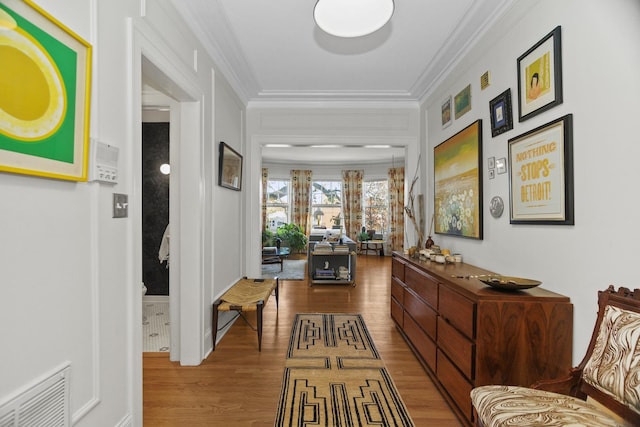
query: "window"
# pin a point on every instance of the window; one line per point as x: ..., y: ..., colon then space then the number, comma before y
x: 375, y: 203
x: 326, y: 203
x: 277, y: 203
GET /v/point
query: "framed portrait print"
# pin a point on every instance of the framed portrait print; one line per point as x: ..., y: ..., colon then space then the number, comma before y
x: 229, y: 168
x: 462, y: 102
x: 46, y: 80
x: 446, y: 112
x: 540, y: 76
x: 541, y: 174
x: 501, y: 115
x: 458, y: 184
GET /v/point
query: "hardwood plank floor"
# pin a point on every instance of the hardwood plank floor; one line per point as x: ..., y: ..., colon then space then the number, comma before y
x: 239, y: 386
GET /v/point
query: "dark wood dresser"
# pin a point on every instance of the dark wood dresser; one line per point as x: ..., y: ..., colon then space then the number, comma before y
x: 467, y: 334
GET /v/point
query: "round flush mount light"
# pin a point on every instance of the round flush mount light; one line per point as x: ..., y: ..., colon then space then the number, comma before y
x: 165, y: 169
x: 352, y: 18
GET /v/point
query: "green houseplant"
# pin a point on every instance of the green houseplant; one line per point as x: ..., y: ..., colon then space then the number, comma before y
x: 292, y: 236
x: 268, y: 238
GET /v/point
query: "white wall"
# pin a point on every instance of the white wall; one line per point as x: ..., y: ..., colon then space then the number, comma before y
x: 600, y: 61
x: 70, y: 275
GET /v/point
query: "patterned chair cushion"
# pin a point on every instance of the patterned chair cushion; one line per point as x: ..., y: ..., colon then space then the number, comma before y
x: 499, y: 405
x: 614, y: 365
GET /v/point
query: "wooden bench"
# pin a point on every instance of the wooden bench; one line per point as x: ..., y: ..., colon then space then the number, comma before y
x: 244, y: 296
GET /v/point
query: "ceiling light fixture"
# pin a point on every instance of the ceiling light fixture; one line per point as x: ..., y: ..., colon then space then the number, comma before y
x: 352, y: 18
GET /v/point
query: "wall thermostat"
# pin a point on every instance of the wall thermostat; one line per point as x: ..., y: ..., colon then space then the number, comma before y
x: 104, y: 162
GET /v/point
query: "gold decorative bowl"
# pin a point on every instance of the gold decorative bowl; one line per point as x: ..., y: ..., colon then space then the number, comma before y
x: 509, y: 283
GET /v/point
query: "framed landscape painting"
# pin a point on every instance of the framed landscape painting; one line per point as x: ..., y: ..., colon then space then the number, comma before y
x: 229, y: 168
x: 458, y: 184
x: 46, y: 80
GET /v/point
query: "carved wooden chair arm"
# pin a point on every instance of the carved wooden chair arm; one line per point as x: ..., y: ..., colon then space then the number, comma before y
x: 568, y: 385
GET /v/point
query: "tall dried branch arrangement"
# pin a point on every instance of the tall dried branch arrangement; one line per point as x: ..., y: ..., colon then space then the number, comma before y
x: 410, y: 208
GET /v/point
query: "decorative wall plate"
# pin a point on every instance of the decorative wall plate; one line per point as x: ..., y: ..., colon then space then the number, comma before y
x: 496, y: 207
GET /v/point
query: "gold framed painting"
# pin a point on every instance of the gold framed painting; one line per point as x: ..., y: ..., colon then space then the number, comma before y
x: 457, y: 166
x: 46, y: 79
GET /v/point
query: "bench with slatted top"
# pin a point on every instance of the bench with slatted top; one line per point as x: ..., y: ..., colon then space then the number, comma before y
x: 244, y: 296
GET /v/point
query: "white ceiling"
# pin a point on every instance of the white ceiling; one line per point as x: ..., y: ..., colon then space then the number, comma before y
x: 272, y: 51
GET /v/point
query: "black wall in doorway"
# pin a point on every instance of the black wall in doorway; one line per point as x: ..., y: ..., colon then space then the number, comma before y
x: 155, y: 205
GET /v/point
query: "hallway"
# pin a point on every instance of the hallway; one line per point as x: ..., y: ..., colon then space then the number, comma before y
x: 239, y: 386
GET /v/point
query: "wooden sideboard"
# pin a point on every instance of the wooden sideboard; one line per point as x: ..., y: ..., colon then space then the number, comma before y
x: 467, y: 334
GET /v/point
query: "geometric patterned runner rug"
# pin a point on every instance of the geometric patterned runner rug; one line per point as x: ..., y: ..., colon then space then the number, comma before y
x: 334, y: 376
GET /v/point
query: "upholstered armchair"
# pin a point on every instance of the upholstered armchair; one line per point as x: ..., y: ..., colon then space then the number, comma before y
x: 603, y: 390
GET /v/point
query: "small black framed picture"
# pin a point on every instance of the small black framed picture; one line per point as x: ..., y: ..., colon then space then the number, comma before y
x: 501, y: 113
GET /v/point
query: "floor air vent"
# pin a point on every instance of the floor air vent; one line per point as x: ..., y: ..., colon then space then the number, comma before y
x: 44, y: 404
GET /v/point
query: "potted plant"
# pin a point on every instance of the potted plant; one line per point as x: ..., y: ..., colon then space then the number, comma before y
x: 363, y: 236
x: 292, y: 236
x: 268, y: 238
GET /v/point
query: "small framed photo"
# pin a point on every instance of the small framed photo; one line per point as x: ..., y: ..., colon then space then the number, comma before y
x: 501, y: 115
x: 540, y: 76
x: 501, y: 165
x: 491, y: 163
x: 446, y: 112
x: 541, y: 174
x: 462, y: 102
x: 229, y: 168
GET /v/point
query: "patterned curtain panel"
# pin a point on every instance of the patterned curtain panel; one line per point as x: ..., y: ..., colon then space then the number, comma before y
x: 396, y: 209
x: 301, y: 198
x: 265, y: 178
x: 352, y: 202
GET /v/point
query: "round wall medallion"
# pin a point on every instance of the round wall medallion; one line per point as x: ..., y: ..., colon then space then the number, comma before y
x: 496, y: 206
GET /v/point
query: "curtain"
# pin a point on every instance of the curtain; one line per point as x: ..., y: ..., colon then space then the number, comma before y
x: 352, y: 202
x: 265, y: 179
x: 396, y: 209
x: 301, y: 199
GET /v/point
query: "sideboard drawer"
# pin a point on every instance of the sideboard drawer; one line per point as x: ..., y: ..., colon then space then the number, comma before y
x: 424, y: 315
x: 459, y: 349
x: 397, y: 312
x: 397, y: 268
x: 423, y: 285
x: 397, y: 290
x: 458, y: 310
x: 423, y: 344
x: 457, y: 386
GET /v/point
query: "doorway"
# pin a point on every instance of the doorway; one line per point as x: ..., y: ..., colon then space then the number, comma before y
x: 155, y: 180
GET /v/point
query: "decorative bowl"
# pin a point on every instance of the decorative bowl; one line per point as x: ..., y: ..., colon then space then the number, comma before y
x: 509, y: 283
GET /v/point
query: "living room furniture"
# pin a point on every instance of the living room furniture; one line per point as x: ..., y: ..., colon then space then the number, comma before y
x: 336, y: 259
x: 603, y: 390
x: 372, y: 245
x: 467, y: 334
x: 246, y: 295
x: 274, y: 255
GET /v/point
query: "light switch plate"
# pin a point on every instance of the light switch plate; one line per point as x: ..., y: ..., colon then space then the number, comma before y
x: 120, y: 205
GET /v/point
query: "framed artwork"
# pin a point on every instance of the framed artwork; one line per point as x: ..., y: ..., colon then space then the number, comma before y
x: 540, y: 76
x: 229, y: 168
x: 44, y: 120
x: 458, y: 184
x: 446, y: 112
x: 462, y: 102
x: 501, y: 115
x: 541, y: 174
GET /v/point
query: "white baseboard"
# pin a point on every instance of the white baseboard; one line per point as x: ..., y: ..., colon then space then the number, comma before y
x: 155, y: 298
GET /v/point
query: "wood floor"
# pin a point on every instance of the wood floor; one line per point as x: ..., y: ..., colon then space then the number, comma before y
x: 239, y: 386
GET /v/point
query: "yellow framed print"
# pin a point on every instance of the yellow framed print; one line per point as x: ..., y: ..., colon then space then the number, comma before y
x: 44, y: 108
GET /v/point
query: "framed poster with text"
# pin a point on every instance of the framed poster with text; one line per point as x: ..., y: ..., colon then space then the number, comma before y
x: 541, y: 174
